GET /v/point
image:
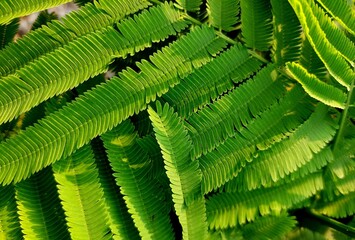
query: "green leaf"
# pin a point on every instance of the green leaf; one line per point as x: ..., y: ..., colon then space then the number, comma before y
x: 184, y: 174
x: 256, y: 20
x: 8, y: 32
x: 326, y: 93
x: 223, y: 14
x: 143, y: 194
x: 189, y: 5
x: 81, y: 195
x: 11, y: 9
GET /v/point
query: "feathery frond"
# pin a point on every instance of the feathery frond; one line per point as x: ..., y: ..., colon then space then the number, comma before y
x: 213, y: 79
x: 223, y: 14
x: 342, y: 11
x: 142, y: 192
x: 189, y: 5
x: 340, y: 207
x: 59, y: 33
x: 227, y: 209
x: 256, y: 20
x: 39, y: 209
x: 183, y: 173
x: 8, y: 32
x: 81, y: 195
x: 11, y: 9
x: 326, y: 93
x: 316, y: 35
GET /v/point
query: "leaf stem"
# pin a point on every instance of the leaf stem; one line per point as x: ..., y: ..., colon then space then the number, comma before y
x: 348, y: 230
x: 344, y: 118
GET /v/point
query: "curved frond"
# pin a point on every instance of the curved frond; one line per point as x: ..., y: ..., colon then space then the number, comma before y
x: 227, y: 160
x: 189, y: 5
x: 213, y: 79
x: 39, y: 209
x: 59, y: 33
x: 233, y: 110
x: 102, y: 108
x: 230, y: 208
x: 8, y: 32
x: 256, y: 20
x: 287, y: 33
x: 342, y: 12
x: 269, y: 227
x: 9, y: 220
x: 11, y: 9
x: 340, y: 207
x: 83, y: 58
x: 324, y: 92
x: 143, y: 194
x: 310, y: 60
x: 287, y: 156
x: 184, y: 174
x: 223, y: 14
x: 316, y: 35
x: 119, y: 220
x: 81, y: 195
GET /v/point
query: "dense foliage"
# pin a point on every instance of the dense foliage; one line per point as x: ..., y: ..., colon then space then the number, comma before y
x: 225, y: 119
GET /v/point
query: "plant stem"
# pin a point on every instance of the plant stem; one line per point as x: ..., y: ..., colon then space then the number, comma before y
x: 344, y: 118
x: 348, y: 230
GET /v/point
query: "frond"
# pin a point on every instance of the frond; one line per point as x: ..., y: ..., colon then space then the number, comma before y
x: 223, y: 234
x: 230, y: 208
x: 184, y: 174
x: 340, y: 207
x: 9, y: 221
x: 335, y: 35
x: 273, y: 125
x: 304, y: 233
x: 189, y: 5
x: 59, y: 33
x: 102, y: 108
x: 269, y: 227
x: 213, y: 79
x: 287, y: 156
x: 8, y: 32
x: 233, y: 110
x: 344, y: 163
x: 11, y: 9
x: 223, y: 14
x: 310, y: 60
x: 43, y: 18
x: 256, y: 20
x: 323, y: 46
x: 143, y: 194
x: 287, y: 33
x: 324, y: 92
x: 342, y: 12
x: 39, y: 209
x: 119, y: 220
x: 83, y: 58
x: 81, y: 195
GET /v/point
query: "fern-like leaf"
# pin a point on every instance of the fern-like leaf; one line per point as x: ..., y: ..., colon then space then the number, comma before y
x: 287, y: 33
x: 213, y: 79
x: 8, y: 32
x: 183, y: 173
x: 340, y: 207
x: 342, y: 12
x: 189, y: 5
x: 234, y: 110
x: 81, y: 59
x: 81, y: 195
x: 143, y: 194
x: 326, y: 93
x: 256, y: 20
x: 230, y: 208
x: 269, y: 227
x: 9, y: 219
x: 59, y: 33
x: 100, y: 109
x: 316, y: 35
x: 39, y: 207
x: 11, y: 9
x: 222, y: 14
x: 119, y: 220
